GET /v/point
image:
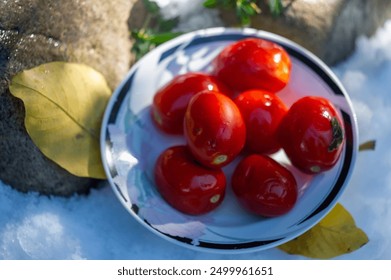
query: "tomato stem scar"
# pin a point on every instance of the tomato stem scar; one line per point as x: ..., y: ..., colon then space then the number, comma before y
x: 337, y: 134
x: 315, y: 168
x: 215, y: 198
x: 157, y: 117
x: 220, y: 159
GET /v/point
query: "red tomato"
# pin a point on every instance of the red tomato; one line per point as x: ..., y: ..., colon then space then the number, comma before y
x: 253, y: 63
x: 186, y: 185
x: 263, y: 186
x: 170, y: 102
x: 214, y: 129
x: 262, y: 112
x: 312, y: 134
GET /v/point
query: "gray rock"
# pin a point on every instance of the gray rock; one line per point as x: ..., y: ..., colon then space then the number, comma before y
x: 32, y: 32
x: 328, y: 28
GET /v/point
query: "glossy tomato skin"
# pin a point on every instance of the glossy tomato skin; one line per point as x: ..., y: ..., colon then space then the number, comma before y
x: 263, y: 186
x: 253, y: 63
x: 214, y: 129
x: 170, y: 102
x: 262, y: 113
x: 186, y: 185
x: 312, y: 134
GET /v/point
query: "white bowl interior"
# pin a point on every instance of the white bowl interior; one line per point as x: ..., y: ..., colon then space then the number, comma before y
x: 131, y: 143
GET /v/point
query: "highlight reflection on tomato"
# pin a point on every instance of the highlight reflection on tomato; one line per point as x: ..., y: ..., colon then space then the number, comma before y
x: 253, y: 63
x: 262, y: 112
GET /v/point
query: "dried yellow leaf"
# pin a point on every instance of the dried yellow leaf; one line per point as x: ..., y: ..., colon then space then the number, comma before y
x: 336, y: 234
x: 64, y: 105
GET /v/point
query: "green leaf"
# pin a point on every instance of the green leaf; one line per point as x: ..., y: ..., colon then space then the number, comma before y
x: 151, y: 6
x: 64, y: 104
x: 244, y: 9
x: 244, y: 19
x: 210, y: 4
x: 247, y: 9
x: 334, y: 235
x: 162, y: 37
x: 166, y: 25
x: 276, y: 7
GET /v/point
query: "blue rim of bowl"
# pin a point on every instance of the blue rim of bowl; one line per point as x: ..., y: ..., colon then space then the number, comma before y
x: 232, y: 34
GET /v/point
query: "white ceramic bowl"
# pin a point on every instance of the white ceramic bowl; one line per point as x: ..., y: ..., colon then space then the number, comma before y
x: 130, y: 144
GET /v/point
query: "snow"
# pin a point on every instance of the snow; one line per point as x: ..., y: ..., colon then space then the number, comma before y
x: 96, y: 226
x: 191, y: 14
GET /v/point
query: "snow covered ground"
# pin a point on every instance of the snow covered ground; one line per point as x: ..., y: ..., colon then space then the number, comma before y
x: 98, y: 227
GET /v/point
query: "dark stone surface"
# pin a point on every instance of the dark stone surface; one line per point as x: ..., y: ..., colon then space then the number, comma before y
x: 33, y: 32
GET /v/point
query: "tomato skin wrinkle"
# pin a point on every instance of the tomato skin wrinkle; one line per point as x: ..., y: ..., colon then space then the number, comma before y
x: 263, y: 186
x: 214, y: 129
x: 185, y: 184
x: 312, y: 134
x: 170, y: 101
